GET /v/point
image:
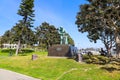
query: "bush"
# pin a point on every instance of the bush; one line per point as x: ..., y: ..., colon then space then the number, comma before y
x: 85, y: 57
x: 7, y: 50
x: 10, y: 52
x: 27, y: 50
x: 95, y: 59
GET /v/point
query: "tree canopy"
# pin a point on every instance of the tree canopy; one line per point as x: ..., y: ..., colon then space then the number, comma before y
x: 47, y: 34
x: 24, y: 33
x: 27, y: 13
x: 98, y: 16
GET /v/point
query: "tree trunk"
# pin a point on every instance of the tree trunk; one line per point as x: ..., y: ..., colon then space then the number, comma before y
x: 117, y: 46
x: 109, y: 52
x: 108, y: 46
x: 118, y: 50
x: 18, y: 47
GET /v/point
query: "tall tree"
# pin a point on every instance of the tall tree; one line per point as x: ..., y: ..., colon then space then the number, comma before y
x: 28, y: 37
x: 26, y: 11
x: 99, y: 15
x: 47, y: 34
x: 13, y: 35
x: 6, y: 38
x: 70, y: 40
x: 1, y: 42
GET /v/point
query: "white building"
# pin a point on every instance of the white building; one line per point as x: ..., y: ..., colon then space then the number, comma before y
x: 12, y: 46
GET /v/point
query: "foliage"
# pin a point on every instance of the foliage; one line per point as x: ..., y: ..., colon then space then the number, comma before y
x: 108, y: 39
x: 70, y: 40
x: 6, y: 38
x: 11, y: 52
x: 0, y: 41
x: 99, y: 15
x: 13, y: 35
x: 26, y: 11
x: 96, y: 59
x: 23, y: 27
x: 28, y: 50
x: 7, y: 50
x: 47, y: 34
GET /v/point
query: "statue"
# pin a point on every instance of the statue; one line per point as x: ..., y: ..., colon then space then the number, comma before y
x: 63, y: 36
x: 60, y: 50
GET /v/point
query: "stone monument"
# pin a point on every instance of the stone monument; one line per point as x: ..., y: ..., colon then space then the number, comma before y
x: 59, y: 51
x: 62, y: 49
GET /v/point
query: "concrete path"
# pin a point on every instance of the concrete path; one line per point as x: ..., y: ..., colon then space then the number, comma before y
x: 9, y: 75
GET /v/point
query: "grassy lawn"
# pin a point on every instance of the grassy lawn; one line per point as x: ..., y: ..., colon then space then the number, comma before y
x: 50, y: 68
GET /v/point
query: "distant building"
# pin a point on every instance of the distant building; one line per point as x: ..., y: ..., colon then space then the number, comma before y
x: 92, y: 50
x: 12, y: 46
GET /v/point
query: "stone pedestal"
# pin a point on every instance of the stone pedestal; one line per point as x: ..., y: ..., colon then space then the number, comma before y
x: 59, y: 51
x: 34, y: 57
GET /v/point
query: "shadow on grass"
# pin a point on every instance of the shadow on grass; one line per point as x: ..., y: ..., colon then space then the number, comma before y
x: 110, y: 69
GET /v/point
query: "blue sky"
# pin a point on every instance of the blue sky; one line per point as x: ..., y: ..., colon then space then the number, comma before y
x: 55, y: 12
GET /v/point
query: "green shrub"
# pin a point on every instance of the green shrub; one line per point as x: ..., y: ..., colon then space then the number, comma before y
x: 10, y: 52
x: 7, y: 50
x: 85, y: 57
x: 95, y: 59
x: 103, y: 58
x: 88, y: 61
x: 27, y: 50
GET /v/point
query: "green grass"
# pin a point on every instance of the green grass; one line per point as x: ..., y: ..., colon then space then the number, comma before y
x: 50, y: 68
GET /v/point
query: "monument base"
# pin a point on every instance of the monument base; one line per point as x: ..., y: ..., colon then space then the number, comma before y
x: 59, y: 50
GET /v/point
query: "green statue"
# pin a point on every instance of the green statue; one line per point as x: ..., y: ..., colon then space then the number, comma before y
x: 63, y: 36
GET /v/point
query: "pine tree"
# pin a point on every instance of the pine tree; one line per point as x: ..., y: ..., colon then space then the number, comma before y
x: 26, y: 11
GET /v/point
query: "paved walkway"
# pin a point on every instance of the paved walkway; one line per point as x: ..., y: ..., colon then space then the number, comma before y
x: 9, y: 75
